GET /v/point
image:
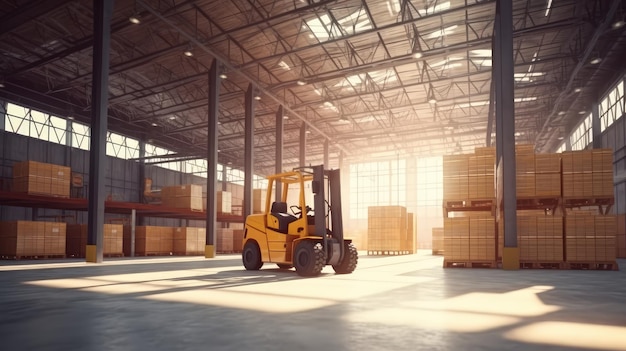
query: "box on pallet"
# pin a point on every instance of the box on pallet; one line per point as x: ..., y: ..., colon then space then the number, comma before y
x: 456, y: 239
x: 41, y: 179
x: 76, y: 239
x: 189, y: 241
x: 183, y: 196
x: 437, y: 241
x: 224, y: 240
x: 150, y: 240
x: 387, y: 228
x: 590, y: 238
x: 24, y: 238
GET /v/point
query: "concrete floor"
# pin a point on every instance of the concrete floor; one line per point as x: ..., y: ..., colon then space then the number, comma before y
x: 389, y: 303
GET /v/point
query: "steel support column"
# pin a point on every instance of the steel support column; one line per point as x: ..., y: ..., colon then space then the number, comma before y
x: 596, y: 127
x: 280, y: 129
x: 211, y: 179
x: 103, y: 11
x: 505, y: 131
x: 248, y: 152
x: 326, y: 161
x: 303, y: 144
x: 3, y: 114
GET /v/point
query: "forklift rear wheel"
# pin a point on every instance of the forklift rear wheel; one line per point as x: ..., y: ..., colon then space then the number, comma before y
x: 309, y: 258
x: 251, y: 256
x: 284, y: 266
x: 349, y: 261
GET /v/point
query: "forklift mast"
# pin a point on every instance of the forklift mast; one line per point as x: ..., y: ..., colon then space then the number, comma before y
x: 321, y: 179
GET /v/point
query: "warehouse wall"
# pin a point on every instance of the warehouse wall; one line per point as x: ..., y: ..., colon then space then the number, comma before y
x: 122, y: 181
x: 614, y: 138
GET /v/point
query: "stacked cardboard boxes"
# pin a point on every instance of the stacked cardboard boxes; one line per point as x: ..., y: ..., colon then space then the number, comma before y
x: 550, y: 239
x: 189, y: 240
x: 481, y: 178
x: 187, y: 197
x: 548, y: 175
x: 437, y: 241
x: 76, y: 239
x: 411, y: 233
x: 258, y: 200
x: 590, y: 238
x: 38, y: 178
x: 577, y: 174
x: 482, y: 238
x: 150, y: 240
x: 456, y: 242
x: 224, y: 240
x: 387, y: 228
x: 224, y: 202
x: 525, y: 170
x: 456, y: 177
x: 24, y: 238
x: 602, y: 172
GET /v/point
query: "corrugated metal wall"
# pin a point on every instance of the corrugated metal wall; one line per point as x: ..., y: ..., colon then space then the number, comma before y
x: 614, y: 138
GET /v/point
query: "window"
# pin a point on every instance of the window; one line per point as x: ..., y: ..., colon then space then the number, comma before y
x: 325, y: 28
x: 152, y: 150
x: 376, y: 184
x: 612, y: 106
x: 35, y: 124
x: 122, y: 147
x: 582, y: 135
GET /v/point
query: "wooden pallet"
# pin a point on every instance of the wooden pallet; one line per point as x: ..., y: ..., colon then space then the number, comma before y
x: 34, y: 257
x: 119, y: 254
x: 604, y: 203
x: 596, y: 266
x: 469, y: 264
x: 542, y: 265
x: 388, y: 252
x: 538, y: 203
x: 437, y: 252
x: 469, y: 205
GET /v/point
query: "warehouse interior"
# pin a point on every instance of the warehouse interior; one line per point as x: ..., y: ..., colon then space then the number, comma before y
x: 482, y: 154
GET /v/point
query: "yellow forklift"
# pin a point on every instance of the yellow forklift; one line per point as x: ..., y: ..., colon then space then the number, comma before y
x: 290, y: 233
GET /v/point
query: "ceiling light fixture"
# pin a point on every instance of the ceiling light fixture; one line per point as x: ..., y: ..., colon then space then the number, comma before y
x: 432, y: 101
x: 300, y: 82
x: 188, y: 51
x: 134, y: 19
x: 582, y: 112
x: 618, y: 24
x: 154, y: 124
x: 560, y: 138
x: 223, y: 76
x: 285, y: 117
x: 561, y: 113
x: 578, y: 90
x: 71, y: 118
x: 172, y: 118
x: 595, y: 61
x: 257, y: 97
x: 2, y: 85
x: 308, y: 131
x: 417, y: 55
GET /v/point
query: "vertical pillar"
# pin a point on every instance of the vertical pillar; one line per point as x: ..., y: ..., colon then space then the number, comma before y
x: 505, y: 131
x: 303, y: 145
x: 224, y: 174
x: 326, y: 161
x: 133, y: 225
x: 103, y: 11
x: 596, y: 127
x: 280, y: 117
x: 3, y: 115
x: 248, y: 152
x: 211, y: 179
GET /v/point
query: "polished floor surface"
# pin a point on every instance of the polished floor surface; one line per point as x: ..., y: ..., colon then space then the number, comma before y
x: 389, y: 303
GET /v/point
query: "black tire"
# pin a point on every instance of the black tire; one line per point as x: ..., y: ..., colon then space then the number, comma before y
x: 309, y: 258
x: 251, y: 256
x: 284, y: 266
x: 349, y: 261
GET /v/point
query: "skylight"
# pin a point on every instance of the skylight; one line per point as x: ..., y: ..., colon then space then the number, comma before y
x: 393, y: 6
x: 548, y: 8
x: 323, y: 28
x: 526, y: 99
x: 378, y: 77
x: 437, y: 8
x: 442, y: 32
x: 481, y: 53
x: 528, y: 76
x: 284, y: 65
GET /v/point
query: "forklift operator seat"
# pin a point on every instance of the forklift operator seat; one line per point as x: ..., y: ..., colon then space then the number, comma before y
x: 279, y: 210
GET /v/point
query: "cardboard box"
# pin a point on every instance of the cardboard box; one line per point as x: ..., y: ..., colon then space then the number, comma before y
x: 387, y: 228
x: 24, y: 238
x: 150, y: 240
x: 224, y: 240
x: 188, y: 241
x: 224, y: 202
x: 437, y: 241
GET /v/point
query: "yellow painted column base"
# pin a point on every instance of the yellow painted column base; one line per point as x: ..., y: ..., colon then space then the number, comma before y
x: 209, y: 251
x: 510, y: 258
x: 91, y: 254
